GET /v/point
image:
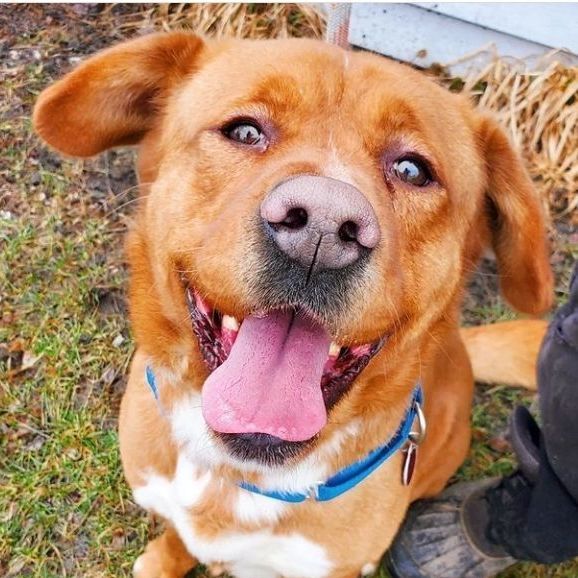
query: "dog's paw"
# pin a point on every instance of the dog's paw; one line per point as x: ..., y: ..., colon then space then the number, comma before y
x: 146, y: 566
x: 164, y: 557
x: 215, y: 570
x: 368, y: 570
x: 149, y: 565
x: 152, y: 564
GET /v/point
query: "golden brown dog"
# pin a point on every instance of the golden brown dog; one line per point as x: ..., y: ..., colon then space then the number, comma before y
x: 333, y: 204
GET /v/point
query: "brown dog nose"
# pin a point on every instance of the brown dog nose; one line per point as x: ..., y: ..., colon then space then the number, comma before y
x: 321, y: 220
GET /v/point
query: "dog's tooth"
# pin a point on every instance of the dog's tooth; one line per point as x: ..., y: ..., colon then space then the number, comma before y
x: 334, y: 349
x: 202, y: 305
x: 230, y: 323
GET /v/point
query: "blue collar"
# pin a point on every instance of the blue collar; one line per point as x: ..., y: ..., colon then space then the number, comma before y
x: 355, y: 473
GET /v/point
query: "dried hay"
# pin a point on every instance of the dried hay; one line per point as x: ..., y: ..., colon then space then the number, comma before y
x: 540, y: 112
x: 539, y: 109
x: 238, y: 20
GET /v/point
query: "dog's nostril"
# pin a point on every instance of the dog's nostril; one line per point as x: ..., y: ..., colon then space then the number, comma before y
x: 296, y: 218
x: 349, y: 231
x: 300, y: 211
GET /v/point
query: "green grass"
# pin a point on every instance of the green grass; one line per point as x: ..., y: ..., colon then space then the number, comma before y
x: 64, y: 507
x: 61, y: 482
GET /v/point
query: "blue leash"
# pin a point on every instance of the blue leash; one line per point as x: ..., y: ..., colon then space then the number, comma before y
x: 350, y: 476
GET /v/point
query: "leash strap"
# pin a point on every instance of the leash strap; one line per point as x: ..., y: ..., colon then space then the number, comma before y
x: 337, y: 31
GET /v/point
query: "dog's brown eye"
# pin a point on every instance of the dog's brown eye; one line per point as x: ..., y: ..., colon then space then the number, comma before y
x: 412, y: 171
x: 244, y: 133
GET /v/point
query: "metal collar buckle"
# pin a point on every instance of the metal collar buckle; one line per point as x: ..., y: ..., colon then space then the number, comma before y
x: 313, y: 492
x: 415, y: 438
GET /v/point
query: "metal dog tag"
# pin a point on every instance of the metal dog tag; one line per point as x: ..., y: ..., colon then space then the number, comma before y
x: 409, y: 461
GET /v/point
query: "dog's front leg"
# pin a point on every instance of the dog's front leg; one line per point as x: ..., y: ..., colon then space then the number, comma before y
x: 164, y: 557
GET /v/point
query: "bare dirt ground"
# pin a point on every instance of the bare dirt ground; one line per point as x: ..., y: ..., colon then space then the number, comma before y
x: 64, y: 337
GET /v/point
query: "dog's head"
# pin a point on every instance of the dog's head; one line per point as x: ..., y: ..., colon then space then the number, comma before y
x: 304, y: 210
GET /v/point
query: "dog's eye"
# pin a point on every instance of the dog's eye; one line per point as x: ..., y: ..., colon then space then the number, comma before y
x: 412, y: 171
x: 245, y: 133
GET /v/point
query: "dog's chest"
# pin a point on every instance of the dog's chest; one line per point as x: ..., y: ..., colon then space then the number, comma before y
x: 256, y: 554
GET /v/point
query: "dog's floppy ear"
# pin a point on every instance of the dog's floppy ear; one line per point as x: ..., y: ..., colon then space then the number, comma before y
x: 516, y: 223
x: 112, y: 98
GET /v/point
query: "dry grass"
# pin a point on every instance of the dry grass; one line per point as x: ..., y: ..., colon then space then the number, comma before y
x: 237, y: 20
x: 540, y: 112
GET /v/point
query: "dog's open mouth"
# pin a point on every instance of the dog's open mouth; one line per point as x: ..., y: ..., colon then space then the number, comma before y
x: 273, y: 376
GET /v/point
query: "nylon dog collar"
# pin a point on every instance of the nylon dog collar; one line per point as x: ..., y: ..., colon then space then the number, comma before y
x: 352, y: 475
x: 355, y: 473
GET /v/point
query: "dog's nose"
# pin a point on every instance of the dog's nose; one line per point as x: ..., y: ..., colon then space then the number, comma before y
x: 320, y: 221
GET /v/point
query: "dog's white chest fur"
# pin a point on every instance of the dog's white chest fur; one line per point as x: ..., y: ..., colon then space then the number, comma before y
x: 258, y: 554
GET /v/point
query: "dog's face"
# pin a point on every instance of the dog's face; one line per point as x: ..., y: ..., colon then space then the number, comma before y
x: 305, y: 209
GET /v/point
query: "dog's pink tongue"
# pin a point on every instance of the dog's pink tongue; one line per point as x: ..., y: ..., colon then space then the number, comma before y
x: 271, y: 381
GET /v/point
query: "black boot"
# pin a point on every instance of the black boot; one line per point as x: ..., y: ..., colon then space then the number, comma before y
x: 446, y: 537
x: 477, y: 529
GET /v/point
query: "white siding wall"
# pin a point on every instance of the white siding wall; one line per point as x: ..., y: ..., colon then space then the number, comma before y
x: 429, y: 33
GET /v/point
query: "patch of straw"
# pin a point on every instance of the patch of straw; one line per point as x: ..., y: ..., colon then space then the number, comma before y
x: 238, y: 20
x: 540, y: 112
